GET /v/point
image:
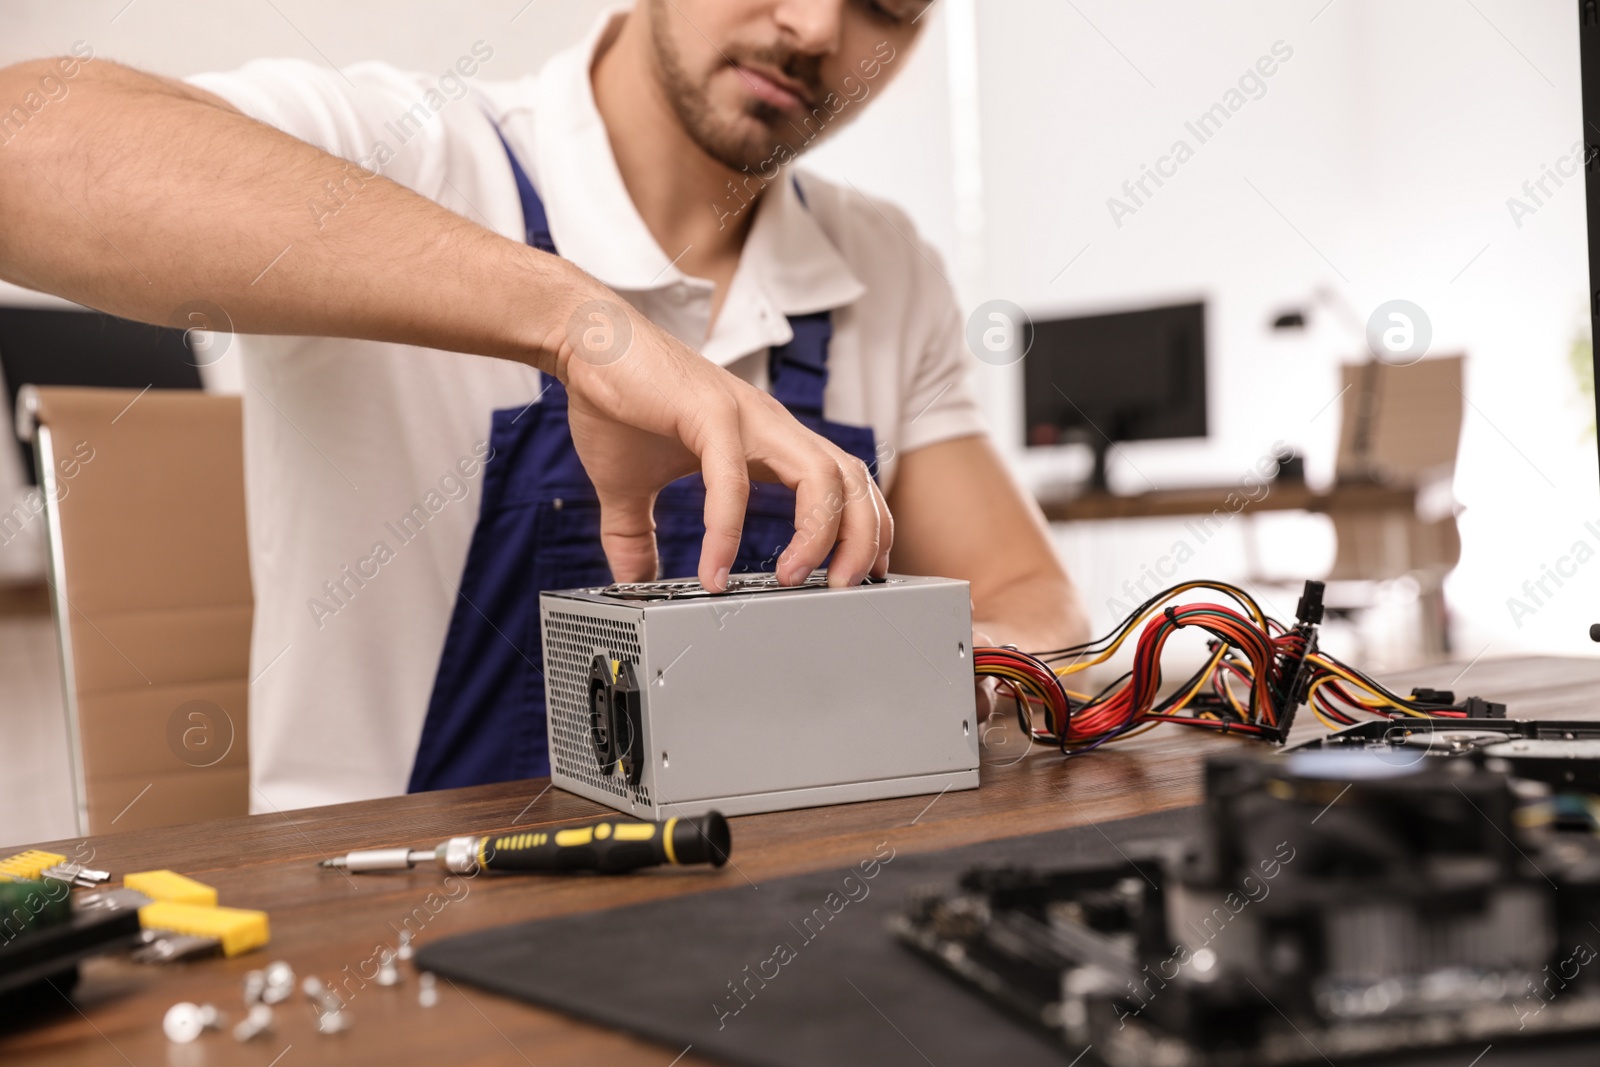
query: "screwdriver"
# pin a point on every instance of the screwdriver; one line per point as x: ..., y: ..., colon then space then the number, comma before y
x: 611, y: 847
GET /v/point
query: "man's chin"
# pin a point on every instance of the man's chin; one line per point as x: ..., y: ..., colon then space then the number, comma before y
x: 749, y: 144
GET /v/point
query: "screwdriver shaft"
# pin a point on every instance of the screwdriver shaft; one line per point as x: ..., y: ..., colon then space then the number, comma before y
x: 380, y: 859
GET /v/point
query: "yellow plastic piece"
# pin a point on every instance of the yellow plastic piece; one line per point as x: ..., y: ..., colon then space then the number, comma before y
x: 666, y: 840
x: 239, y: 930
x: 635, y: 831
x: 579, y: 836
x: 169, y: 885
x: 28, y: 866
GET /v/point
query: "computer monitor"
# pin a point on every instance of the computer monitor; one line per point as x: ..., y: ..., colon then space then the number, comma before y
x: 1126, y: 376
x: 47, y: 346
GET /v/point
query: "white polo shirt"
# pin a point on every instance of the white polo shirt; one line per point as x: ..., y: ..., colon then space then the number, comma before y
x: 363, y: 461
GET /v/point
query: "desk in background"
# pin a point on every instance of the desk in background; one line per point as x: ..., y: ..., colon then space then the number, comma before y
x: 1280, y: 496
x: 1378, y: 533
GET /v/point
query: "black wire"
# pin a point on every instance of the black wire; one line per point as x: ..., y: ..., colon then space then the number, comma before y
x: 1239, y: 596
x: 1385, y: 691
x: 1107, y: 691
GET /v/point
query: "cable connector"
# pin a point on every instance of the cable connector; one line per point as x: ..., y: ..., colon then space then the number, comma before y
x: 1295, y: 670
x: 1479, y: 708
x: 1445, y: 700
x: 1308, y: 611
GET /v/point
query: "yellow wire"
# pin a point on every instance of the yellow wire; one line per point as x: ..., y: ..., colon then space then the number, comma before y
x: 1333, y: 668
x: 1025, y: 683
x: 1203, y: 678
x: 1133, y: 624
x: 1311, y: 702
x: 1227, y: 691
x: 1333, y: 671
x: 1128, y: 628
x: 1324, y: 720
x: 1311, y: 695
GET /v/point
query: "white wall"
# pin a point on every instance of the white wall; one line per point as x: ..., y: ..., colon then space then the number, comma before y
x: 1378, y: 163
x: 1458, y: 118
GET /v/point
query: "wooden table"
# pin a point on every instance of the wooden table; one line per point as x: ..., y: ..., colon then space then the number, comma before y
x: 324, y: 921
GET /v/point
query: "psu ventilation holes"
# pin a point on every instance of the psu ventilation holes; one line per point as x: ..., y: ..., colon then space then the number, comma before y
x: 572, y: 641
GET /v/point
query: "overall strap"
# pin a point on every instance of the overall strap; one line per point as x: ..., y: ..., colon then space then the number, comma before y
x: 534, y: 220
x: 799, y: 369
x: 537, y: 225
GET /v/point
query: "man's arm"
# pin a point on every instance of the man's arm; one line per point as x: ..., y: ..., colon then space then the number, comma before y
x: 960, y: 514
x: 137, y: 195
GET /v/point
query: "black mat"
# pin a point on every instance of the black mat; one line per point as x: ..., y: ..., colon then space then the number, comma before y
x: 844, y: 993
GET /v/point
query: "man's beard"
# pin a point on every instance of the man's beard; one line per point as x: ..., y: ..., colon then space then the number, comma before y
x: 739, y: 146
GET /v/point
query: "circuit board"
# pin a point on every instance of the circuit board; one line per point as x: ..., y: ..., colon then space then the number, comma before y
x: 1336, y: 907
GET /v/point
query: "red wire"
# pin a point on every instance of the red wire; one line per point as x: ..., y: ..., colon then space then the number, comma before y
x: 1257, y: 655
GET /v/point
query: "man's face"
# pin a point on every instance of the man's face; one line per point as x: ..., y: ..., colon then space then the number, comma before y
x: 755, y: 82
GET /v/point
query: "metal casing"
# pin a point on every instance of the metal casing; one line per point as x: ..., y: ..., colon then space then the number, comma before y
x: 767, y: 699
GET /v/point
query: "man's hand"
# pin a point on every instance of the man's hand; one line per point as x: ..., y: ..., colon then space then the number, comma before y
x: 646, y: 410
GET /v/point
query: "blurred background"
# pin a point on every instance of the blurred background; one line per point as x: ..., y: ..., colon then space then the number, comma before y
x: 1421, y: 152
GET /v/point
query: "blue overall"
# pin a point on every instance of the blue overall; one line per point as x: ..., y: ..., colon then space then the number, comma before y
x: 539, y: 529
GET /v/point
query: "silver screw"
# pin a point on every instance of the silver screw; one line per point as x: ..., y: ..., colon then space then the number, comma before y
x: 255, y: 983
x: 185, y: 1021
x: 333, y: 1022
x: 405, y: 952
x: 326, y: 999
x: 259, y: 1021
x: 388, y: 973
x: 279, y: 983
x: 428, y: 993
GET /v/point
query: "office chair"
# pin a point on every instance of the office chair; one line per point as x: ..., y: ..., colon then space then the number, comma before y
x: 1401, y: 426
x: 150, y: 591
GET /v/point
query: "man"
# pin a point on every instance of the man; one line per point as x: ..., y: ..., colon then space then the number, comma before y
x: 666, y: 302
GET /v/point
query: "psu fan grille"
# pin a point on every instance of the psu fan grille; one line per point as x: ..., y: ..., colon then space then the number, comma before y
x: 571, y: 643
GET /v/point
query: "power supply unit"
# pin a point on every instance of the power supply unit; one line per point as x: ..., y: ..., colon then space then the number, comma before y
x: 666, y: 700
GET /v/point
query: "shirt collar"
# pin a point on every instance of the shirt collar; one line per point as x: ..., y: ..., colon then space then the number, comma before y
x: 788, y: 265
x: 797, y: 263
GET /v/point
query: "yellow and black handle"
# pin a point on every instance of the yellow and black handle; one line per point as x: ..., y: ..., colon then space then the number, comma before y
x: 611, y: 847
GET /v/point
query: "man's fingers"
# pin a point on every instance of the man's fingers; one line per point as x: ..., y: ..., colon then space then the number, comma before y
x: 987, y: 690
x: 986, y: 696
x: 628, y: 535
x: 727, y: 478
x: 633, y: 445
x: 818, y: 509
x: 857, y: 551
x: 880, y: 566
